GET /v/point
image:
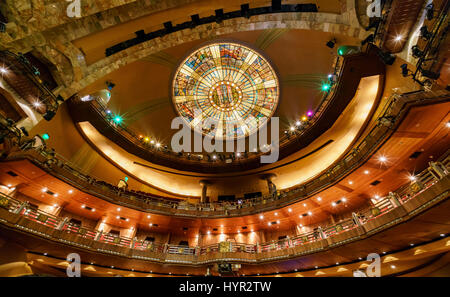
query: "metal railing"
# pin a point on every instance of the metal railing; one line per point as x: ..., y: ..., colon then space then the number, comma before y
x: 380, y: 130
x: 384, y: 205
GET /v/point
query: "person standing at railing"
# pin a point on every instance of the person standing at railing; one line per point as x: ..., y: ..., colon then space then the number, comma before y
x: 123, y: 185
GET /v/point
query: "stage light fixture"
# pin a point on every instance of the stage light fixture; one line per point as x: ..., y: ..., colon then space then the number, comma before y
x: 416, y: 52
x: 424, y: 33
x: 331, y: 43
x: 430, y: 11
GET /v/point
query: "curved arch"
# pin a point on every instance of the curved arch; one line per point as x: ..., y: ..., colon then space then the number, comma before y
x: 325, y: 22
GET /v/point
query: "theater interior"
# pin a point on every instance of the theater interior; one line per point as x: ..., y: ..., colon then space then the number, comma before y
x: 341, y: 109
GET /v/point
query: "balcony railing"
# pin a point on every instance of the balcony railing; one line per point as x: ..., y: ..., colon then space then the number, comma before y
x: 436, y: 172
x: 391, y: 114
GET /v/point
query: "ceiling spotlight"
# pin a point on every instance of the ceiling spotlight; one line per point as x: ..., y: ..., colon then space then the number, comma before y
x: 37, y: 104
x: 55, y: 195
x: 333, y: 203
x: 304, y: 204
x: 209, y: 232
x: 118, y: 209
x: 290, y: 210
x: 158, y: 144
x: 350, y: 182
x: 398, y: 38
x: 150, y: 224
x: 3, y: 70
x: 377, y: 197
x: 261, y: 217
x: 366, y: 172
x: 298, y: 123
x: 292, y: 128
x: 382, y: 159
x: 405, y: 70
x: 117, y: 217
x: 278, y: 221
x: 393, y: 266
x: 70, y: 191
x: 83, y: 206
x: 344, y: 199
x: 93, y: 209
x: 319, y: 198
x: 326, y: 87
x: 276, y: 213
x: 309, y: 213
x: 148, y: 217
x: 238, y: 231
x: 44, y: 189
x: 447, y: 124
x: 117, y: 119
x: 412, y: 178
x: 269, y: 223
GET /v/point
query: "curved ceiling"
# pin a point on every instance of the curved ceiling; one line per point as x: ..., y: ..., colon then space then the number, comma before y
x: 303, y: 62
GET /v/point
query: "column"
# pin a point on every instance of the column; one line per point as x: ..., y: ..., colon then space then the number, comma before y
x: 204, y: 184
x: 270, y: 185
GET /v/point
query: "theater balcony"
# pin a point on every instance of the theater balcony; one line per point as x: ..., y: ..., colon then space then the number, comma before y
x: 224, y: 138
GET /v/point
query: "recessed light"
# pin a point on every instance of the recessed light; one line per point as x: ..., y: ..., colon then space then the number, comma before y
x: 261, y: 217
x: 304, y: 204
x: 366, y: 172
x: 309, y: 213
x: 290, y: 210
x: 382, y: 159
x: 350, y: 182
x: 393, y: 266
x: 44, y: 189
x: 70, y: 191
x: 276, y: 213
x: 118, y: 209
x: 333, y: 203
x: 344, y: 199
x: 319, y: 198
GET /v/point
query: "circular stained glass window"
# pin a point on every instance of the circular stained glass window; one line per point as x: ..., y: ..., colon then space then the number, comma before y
x: 225, y: 90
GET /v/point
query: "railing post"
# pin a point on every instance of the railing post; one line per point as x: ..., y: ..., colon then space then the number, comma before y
x: 437, y: 170
x: 258, y: 248
x: 22, y: 207
x: 356, y: 220
x: 98, y: 236
x: 62, y: 223
x: 132, y: 242
x: 321, y: 234
x: 393, y: 197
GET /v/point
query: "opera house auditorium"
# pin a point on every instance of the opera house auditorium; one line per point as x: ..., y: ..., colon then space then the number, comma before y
x: 228, y: 138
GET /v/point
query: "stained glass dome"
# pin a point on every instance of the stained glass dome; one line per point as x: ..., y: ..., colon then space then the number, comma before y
x: 228, y: 84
